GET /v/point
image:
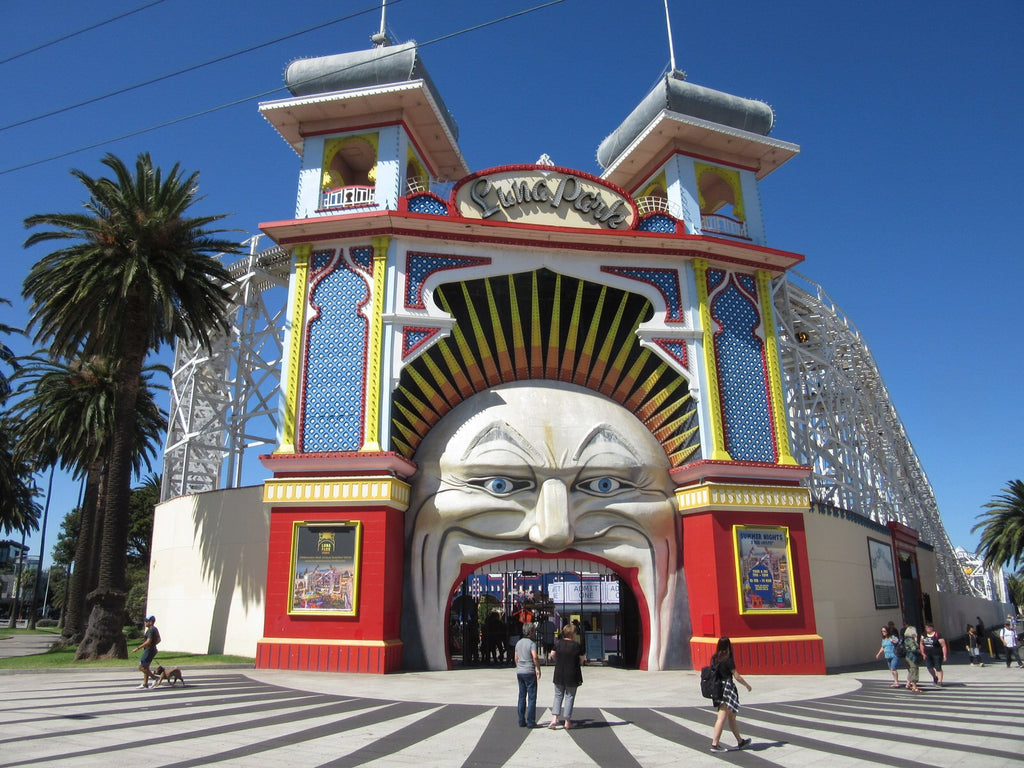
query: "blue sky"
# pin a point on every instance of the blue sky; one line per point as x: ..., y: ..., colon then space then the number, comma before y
x: 904, y: 198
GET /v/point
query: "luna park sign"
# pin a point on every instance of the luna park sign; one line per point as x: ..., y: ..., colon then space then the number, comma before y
x: 542, y: 195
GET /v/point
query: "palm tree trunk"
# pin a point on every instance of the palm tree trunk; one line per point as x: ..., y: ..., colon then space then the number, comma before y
x: 75, y: 616
x: 104, y: 636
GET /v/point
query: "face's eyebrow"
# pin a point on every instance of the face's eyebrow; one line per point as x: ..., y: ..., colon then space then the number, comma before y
x: 602, y: 437
x: 500, y: 435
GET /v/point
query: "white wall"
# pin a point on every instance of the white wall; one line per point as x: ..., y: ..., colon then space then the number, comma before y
x: 207, y: 575
x: 844, y: 602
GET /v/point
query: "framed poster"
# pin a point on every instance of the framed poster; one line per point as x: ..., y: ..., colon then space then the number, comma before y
x: 764, y: 569
x: 883, y: 574
x: 325, y: 568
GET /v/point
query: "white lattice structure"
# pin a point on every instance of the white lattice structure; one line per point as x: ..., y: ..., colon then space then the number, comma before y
x: 842, y: 421
x: 845, y: 427
x: 225, y: 402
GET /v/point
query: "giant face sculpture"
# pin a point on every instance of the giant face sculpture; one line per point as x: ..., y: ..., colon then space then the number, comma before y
x: 541, y: 466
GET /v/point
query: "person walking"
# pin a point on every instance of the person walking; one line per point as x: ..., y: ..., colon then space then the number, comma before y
x: 935, y: 652
x: 150, y: 640
x: 729, y: 705
x: 528, y: 675
x: 1008, y: 634
x: 568, y: 657
x: 913, y: 658
x: 892, y: 661
x: 973, y: 646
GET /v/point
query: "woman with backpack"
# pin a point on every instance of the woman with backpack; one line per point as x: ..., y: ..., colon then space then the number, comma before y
x: 892, y: 661
x: 729, y: 704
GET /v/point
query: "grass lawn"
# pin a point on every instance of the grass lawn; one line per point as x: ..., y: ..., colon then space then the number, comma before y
x: 65, y: 657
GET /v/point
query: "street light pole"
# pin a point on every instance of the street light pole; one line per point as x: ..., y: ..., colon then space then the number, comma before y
x: 42, y: 551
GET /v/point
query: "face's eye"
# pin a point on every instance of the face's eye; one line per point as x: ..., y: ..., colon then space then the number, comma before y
x: 501, y: 486
x: 603, y: 486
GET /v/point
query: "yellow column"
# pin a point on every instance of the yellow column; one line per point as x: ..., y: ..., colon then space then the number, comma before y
x: 778, y: 398
x: 302, y: 255
x: 375, y: 350
x: 714, y: 401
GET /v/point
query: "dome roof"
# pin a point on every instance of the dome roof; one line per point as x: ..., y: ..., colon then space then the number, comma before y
x: 674, y: 94
x: 363, y: 69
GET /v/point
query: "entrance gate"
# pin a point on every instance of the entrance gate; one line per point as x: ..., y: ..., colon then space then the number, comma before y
x: 492, y: 603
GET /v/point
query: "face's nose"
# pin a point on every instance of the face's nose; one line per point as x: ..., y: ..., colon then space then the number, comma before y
x: 551, y: 530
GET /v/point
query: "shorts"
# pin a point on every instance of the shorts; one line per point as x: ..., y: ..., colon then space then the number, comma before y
x: 933, y: 662
x: 147, y: 657
x: 893, y: 662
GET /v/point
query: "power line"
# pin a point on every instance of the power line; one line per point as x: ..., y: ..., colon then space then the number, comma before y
x: 91, y: 27
x: 191, y: 68
x: 243, y: 100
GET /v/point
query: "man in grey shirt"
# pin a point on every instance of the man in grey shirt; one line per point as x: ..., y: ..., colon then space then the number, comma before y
x: 527, y: 673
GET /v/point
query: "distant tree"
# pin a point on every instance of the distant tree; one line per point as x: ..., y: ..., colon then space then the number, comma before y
x: 7, y: 356
x: 68, y: 412
x: 143, y: 503
x: 1015, y: 585
x: 19, y: 510
x: 1002, y: 528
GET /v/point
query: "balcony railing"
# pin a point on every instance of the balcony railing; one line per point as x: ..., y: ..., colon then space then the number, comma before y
x: 723, y: 225
x: 348, y: 197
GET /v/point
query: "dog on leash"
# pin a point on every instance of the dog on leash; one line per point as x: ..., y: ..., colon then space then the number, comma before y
x: 170, y: 675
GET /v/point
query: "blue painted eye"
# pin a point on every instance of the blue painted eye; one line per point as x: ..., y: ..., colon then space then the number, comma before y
x: 501, y: 486
x: 602, y: 486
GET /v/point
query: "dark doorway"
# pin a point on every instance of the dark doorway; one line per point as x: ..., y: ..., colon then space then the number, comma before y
x: 594, y: 598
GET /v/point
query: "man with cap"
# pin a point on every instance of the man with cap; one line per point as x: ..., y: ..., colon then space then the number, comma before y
x: 150, y: 640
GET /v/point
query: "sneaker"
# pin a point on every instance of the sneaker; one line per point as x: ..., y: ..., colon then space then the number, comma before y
x: 743, y: 743
x: 144, y: 685
x: 718, y: 748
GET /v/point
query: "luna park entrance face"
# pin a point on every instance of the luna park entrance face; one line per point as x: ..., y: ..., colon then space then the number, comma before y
x: 490, y: 607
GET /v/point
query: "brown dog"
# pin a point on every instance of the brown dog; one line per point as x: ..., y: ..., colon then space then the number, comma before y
x: 170, y: 675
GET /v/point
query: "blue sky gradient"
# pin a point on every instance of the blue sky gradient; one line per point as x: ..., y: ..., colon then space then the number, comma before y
x: 904, y: 198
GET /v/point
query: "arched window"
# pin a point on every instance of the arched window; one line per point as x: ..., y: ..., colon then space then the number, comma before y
x: 349, y: 171
x: 721, y: 200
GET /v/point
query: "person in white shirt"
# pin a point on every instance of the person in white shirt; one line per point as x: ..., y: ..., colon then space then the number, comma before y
x: 1009, y: 637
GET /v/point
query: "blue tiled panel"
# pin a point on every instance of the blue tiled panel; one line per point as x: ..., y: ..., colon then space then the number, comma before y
x: 740, y: 354
x: 335, y: 362
x: 658, y: 222
x: 427, y: 204
x: 665, y: 280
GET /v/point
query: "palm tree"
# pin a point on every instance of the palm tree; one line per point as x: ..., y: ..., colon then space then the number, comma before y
x: 7, y: 357
x: 67, y: 414
x: 138, y: 273
x: 1002, y: 529
x: 19, y: 510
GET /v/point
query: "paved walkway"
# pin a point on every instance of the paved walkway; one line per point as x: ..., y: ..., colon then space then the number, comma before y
x: 264, y: 719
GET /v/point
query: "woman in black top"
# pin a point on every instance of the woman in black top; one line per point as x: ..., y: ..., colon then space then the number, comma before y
x: 729, y: 704
x: 568, y: 655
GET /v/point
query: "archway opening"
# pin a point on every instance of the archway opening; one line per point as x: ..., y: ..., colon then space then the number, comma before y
x: 490, y: 605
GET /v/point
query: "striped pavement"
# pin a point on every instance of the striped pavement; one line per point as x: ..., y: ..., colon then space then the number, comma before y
x: 242, y: 717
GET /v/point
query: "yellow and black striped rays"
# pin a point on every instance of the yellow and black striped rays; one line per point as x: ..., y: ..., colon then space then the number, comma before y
x: 544, y: 326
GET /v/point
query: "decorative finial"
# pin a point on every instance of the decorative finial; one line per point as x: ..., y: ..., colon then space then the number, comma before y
x: 381, y: 38
x: 545, y: 160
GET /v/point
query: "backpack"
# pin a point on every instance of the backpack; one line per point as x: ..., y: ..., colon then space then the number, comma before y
x: 711, y: 683
x: 909, y: 648
x: 900, y: 649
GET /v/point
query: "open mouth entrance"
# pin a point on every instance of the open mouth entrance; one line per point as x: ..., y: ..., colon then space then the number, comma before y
x: 490, y: 606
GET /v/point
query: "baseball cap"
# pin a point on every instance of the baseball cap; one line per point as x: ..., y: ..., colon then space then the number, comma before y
x: 151, y: 618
